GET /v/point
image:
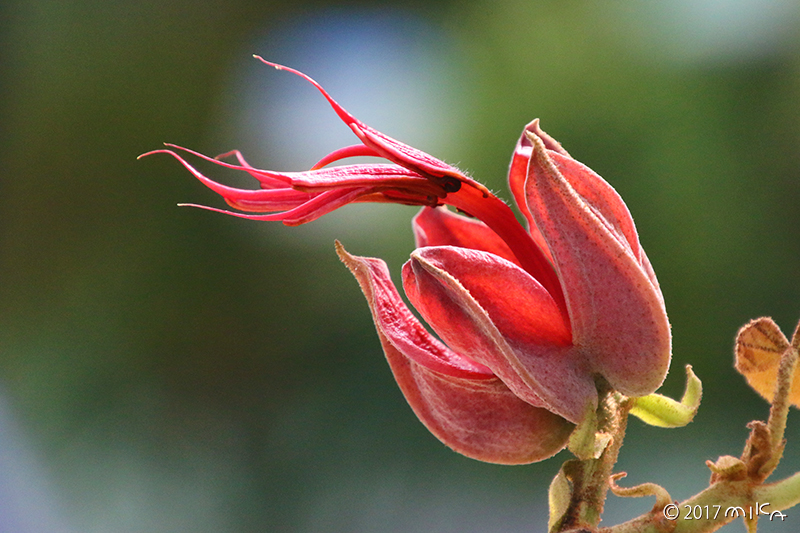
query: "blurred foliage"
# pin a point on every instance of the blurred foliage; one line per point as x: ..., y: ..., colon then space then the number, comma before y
x: 172, y: 373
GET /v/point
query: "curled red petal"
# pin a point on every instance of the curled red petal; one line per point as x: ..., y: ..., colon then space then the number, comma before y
x: 406, y: 155
x: 441, y: 227
x: 267, y: 178
x: 387, y: 175
x: 400, y: 326
x: 308, y: 211
x: 376, y: 175
x: 517, y: 174
x: 317, y: 206
x: 267, y: 200
x: 497, y: 314
x: 460, y: 402
x: 386, y: 146
x: 300, y: 197
x: 617, y: 314
x: 357, y: 150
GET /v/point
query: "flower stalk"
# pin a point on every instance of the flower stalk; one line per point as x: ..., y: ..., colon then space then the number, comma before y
x: 779, y: 410
x: 589, y: 478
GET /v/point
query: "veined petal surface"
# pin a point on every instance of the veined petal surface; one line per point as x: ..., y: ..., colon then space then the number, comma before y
x: 459, y: 401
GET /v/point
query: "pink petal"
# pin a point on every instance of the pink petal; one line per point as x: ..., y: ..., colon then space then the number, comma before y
x: 617, y: 315
x: 377, y: 175
x: 441, y: 227
x: 401, y: 153
x: 385, y: 146
x: 495, y: 313
x: 300, y: 197
x: 308, y: 211
x: 357, y: 150
x: 317, y: 206
x: 499, y: 217
x: 482, y: 420
x: 459, y: 401
x: 267, y: 178
x: 395, y: 320
x: 600, y: 197
x: 518, y: 173
x: 266, y: 200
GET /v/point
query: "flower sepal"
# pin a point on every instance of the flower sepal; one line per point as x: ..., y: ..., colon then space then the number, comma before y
x: 559, y: 497
x: 662, y: 411
x: 587, y: 442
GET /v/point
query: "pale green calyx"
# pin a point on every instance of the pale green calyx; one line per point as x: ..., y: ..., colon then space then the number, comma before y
x: 559, y: 497
x: 587, y: 442
x: 660, y: 411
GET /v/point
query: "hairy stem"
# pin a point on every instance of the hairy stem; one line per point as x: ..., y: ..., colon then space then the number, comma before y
x: 590, y: 477
x: 718, y: 505
x: 780, y: 403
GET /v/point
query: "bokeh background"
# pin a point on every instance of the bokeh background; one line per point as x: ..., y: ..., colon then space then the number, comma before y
x: 170, y: 369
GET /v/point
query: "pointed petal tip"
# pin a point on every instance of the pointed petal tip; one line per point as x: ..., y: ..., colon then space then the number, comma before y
x: 340, y: 251
x: 163, y: 151
x: 270, y: 63
x: 349, y: 260
x: 151, y: 152
x: 534, y: 130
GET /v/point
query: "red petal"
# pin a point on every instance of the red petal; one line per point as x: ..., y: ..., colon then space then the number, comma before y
x: 387, y: 176
x: 394, y: 320
x: 385, y: 146
x: 441, y: 227
x: 317, y: 206
x: 403, y: 154
x: 300, y: 197
x: 497, y: 314
x: 267, y: 178
x: 266, y: 200
x: 357, y: 150
x: 314, y: 208
x: 469, y: 410
x: 617, y: 314
x: 518, y: 173
x: 480, y: 419
x: 599, y: 196
x: 499, y: 217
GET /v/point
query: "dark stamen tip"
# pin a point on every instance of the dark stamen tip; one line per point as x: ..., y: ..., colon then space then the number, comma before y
x: 451, y: 184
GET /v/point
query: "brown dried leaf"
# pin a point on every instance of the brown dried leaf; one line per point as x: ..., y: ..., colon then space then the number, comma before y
x: 759, y: 347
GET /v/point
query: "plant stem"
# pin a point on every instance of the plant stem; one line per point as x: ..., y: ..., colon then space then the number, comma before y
x: 590, y: 477
x: 717, y: 506
x: 780, y: 403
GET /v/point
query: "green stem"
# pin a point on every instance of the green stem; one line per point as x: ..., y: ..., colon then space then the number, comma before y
x: 781, y: 495
x: 780, y: 403
x: 590, y: 477
x: 717, y: 507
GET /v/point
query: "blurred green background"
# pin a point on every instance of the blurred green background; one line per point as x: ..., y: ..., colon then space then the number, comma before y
x: 170, y: 369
